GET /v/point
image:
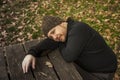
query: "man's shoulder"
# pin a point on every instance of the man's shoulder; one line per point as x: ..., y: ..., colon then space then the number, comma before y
x: 79, y: 27
x: 80, y: 24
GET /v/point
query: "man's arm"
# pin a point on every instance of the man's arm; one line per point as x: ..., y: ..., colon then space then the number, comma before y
x: 37, y: 51
x: 77, y: 39
x: 45, y: 45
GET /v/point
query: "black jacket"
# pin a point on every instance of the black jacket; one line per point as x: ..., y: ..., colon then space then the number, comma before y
x: 83, y: 46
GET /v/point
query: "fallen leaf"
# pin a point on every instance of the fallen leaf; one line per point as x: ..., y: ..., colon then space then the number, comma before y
x: 4, y: 33
x: 43, y: 73
x: 48, y: 64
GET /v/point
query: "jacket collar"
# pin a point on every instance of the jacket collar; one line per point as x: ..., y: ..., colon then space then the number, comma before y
x: 70, y: 22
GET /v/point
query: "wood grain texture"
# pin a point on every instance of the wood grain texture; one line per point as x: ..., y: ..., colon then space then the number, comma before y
x: 15, y: 54
x: 66, y: 71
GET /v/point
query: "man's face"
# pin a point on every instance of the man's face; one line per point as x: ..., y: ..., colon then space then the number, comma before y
x: 58, y: 33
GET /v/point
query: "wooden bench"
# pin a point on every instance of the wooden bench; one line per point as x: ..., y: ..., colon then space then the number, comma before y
x: 50, y: 67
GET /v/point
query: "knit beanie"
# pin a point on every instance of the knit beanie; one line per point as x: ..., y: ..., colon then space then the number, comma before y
x: 50, y: 22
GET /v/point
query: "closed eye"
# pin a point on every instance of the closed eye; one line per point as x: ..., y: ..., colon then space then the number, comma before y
x: 53, y: 31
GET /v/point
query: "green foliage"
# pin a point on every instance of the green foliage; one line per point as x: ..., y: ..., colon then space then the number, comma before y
x: 11, y: 29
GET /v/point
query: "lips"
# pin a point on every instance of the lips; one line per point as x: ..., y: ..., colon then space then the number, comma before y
x: 59, y: 38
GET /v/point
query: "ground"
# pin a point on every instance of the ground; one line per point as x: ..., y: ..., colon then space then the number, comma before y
x: 20, y: 20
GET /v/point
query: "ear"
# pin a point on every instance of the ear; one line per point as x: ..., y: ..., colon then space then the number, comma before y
x: 64, y: 24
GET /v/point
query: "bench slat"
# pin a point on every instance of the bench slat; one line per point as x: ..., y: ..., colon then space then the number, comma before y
x: 43, y: 69
x: 66, y: 71
x: 3, y: 75
x: 15, y: 54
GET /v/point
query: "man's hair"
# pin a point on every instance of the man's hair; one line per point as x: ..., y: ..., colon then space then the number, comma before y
x: 50, y: 22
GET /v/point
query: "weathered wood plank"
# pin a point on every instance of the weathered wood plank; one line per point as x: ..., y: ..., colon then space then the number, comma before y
x: 14, y: 55
x: 66, y: 71
x: 44, y: 69
x: 3, y: 75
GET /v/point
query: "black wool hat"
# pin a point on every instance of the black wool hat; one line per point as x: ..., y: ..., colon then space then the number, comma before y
x: 50, y: 22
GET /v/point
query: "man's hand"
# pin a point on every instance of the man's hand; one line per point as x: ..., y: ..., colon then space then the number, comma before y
x: 28, y: 60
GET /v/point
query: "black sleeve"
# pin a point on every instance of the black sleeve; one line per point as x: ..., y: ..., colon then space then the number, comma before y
x: 77, y: 38
x: 46, y: 44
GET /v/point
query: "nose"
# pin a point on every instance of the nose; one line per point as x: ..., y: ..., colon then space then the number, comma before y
x: 54, y: 37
